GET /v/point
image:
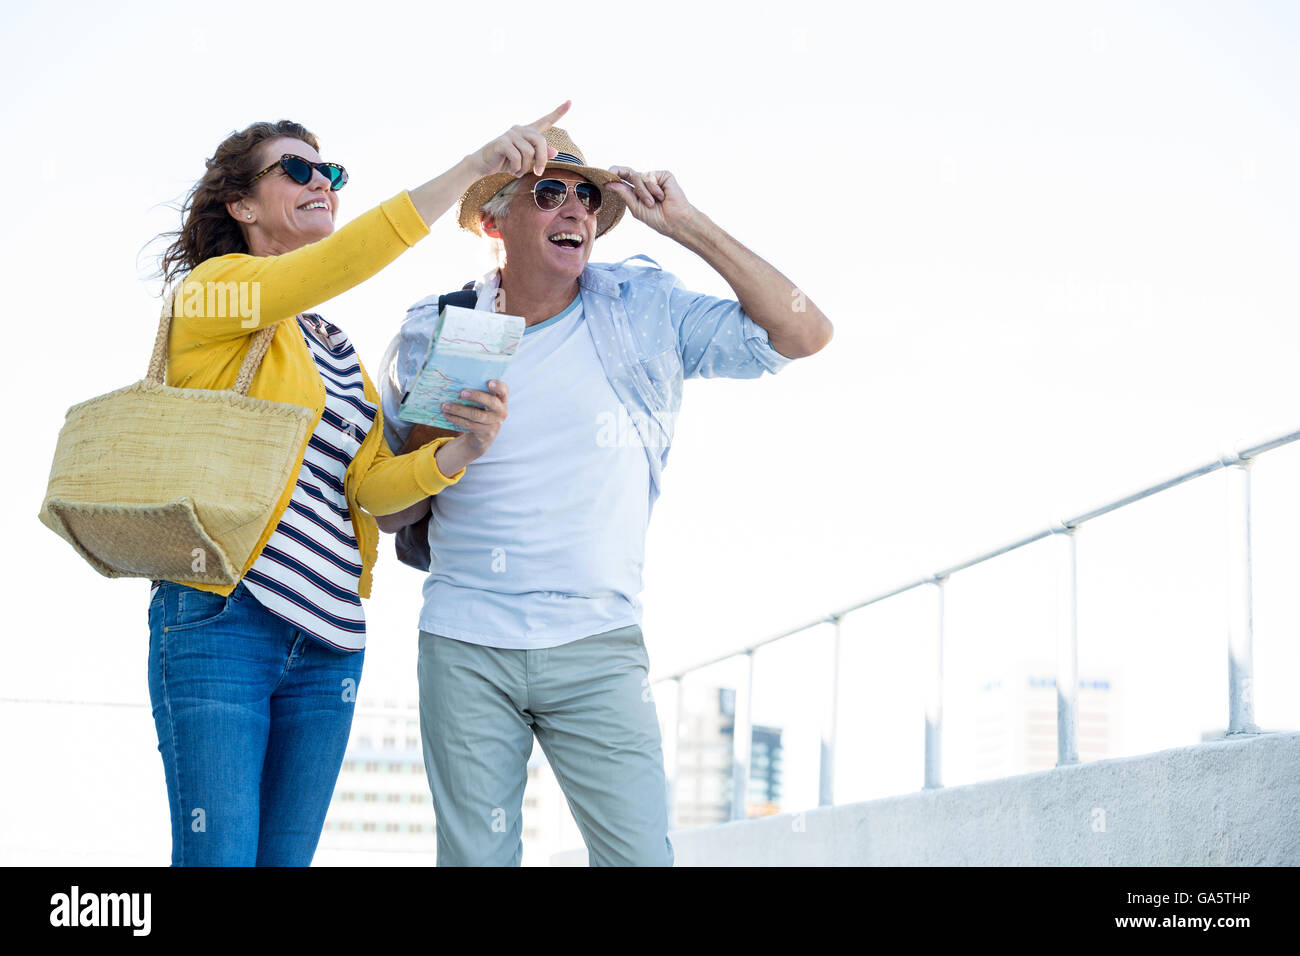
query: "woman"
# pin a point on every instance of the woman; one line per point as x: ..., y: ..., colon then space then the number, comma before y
x: 253, y: 685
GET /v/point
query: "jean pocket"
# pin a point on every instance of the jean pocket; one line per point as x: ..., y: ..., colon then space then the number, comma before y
x: 195, y: 608
x: 627, y: 638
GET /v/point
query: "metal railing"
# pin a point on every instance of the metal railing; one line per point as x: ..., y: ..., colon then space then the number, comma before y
x: 1241, y: 718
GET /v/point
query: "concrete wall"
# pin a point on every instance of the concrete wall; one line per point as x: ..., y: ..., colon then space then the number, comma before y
x: 1225, y: 803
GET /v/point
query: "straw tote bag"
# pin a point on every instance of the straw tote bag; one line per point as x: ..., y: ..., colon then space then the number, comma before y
x: 153, y: 481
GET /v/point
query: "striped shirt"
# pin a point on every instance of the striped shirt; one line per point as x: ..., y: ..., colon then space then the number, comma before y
x: 309, y: 571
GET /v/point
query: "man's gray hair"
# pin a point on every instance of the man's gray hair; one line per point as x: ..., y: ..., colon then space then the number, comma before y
x: 496, y: 206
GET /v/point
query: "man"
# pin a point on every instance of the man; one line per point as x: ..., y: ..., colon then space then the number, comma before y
x: 531, y: 618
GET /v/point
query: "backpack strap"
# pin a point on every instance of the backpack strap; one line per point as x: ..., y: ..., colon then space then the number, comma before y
x: 464, y: 297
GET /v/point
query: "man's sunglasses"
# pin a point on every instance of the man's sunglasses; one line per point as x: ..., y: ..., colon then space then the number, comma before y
x: 299, y: 170
x: 551, y: 193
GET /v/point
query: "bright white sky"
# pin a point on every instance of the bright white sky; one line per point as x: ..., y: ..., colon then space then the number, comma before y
x: 1057, y: 241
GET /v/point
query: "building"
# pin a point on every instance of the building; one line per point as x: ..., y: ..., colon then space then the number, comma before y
x: 382, y: 811
x: 702, y: 788
x: 765, y: 772
x: 1015, y: 723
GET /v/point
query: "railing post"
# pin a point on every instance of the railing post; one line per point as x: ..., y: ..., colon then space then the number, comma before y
x: 826, y: 789
x: 1067, y: 646
x: 934, y: 700
x: 1241, y: 668
x: 741, y: 741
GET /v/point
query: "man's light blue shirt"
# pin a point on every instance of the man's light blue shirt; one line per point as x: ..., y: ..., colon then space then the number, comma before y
x: 649, y: 334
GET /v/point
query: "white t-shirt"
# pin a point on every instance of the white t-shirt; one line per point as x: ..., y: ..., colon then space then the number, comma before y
x: 542, y: 541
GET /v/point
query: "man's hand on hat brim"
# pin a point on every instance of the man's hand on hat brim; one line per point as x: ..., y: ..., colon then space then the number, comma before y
x: 655, y: 198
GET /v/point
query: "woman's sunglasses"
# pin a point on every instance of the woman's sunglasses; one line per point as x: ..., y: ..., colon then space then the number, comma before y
x: 299, y: 170
x: 550, y: 194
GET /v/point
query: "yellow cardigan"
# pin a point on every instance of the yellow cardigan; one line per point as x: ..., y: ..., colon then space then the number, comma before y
x: 206, y: 352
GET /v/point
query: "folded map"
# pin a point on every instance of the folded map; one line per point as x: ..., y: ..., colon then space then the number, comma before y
x: 469, y: 347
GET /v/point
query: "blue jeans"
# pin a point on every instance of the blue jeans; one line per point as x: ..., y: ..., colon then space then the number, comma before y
x: 253, y: 717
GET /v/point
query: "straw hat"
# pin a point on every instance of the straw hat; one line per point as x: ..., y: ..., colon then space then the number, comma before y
x: 568, y: 157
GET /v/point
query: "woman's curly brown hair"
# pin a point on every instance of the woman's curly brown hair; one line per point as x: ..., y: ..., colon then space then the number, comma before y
x: 207, y: 228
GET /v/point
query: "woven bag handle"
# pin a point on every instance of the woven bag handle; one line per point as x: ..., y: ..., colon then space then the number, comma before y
x: 261, y: 341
